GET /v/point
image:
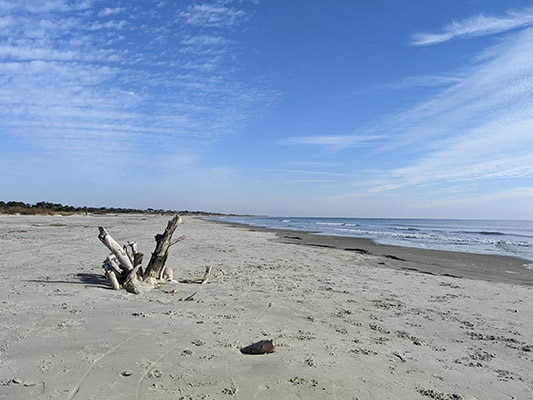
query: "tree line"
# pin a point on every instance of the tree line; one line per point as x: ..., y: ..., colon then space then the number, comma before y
x: 47, y: 208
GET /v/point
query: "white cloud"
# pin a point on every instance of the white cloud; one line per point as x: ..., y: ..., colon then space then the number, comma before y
x: 6, y: 21
x: 424, y: 81
x: 212, y: 16
x: 494, y: 86
x: 477, y: 26
x: 311, y: 163
x: 106, y: 12
x: 203, y: 40
x: 333, y: 142
x: 45, y: 6
x: 497, y: 86
x: 476, y: 129
x: 110, y: 25
x: 31, y: 53
x: 507, y: 195
x: 307, y: 172
x: 75, y: 84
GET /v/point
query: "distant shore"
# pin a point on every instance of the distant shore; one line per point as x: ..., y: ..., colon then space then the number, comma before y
x: 48, y: 208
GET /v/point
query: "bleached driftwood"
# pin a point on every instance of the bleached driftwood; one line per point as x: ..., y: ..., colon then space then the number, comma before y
x: 201, y: 281
x: 189, y: 298
x: 116, y: 249
x: 112, y: 271
x: 167, y: 274
x: 163, y: 243
x: 123, y: 268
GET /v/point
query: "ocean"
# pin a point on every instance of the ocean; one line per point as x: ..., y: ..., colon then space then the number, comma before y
x: 501, y: 237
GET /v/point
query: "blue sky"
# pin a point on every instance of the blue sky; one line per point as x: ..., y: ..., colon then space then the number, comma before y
x: 378, y: 108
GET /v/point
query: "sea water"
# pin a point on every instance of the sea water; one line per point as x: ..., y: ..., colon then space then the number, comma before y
x: 501, y: 237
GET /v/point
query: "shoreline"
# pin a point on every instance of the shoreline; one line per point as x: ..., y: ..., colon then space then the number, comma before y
x: 487, y: 267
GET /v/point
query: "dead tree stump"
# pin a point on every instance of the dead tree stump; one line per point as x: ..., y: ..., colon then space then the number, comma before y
x: 157, y: 262
x: 123, y: 266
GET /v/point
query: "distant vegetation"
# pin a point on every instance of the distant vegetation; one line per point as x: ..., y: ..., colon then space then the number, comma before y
x: 46, y: 208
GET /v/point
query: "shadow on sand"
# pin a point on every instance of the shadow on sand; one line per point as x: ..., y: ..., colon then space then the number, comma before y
x: 94, y: 280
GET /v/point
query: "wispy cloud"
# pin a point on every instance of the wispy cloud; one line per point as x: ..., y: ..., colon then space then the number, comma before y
x: 311, y: 163
x: 307, y: 172
x: 79, y: 80
x: 517, y: 193
x: 479, y: 128
x: 477, y: 26
x: 106, y: 12
x: 6, y: 21
x: 474, y: 129
x: 424, y: 81
x: 212, y: 15
x: 333, y: 142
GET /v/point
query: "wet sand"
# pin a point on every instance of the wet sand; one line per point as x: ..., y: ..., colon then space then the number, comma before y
x: 492, y: 268
x: 349, y: 319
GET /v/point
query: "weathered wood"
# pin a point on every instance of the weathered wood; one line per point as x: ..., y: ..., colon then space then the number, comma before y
x: 112, y: 271
x: 182, y: 237
x: 163, y: 243
x: 111, y: 276
x: 131, y: 250
x: 123, y: 267
x: 206, y: 275
x: 116, y: 249
x: 167, y: 274
x: 189, y: 298
x: 201, y: 281
x: 138, y: 259
x: 111, y: 263
x: 132, y: 283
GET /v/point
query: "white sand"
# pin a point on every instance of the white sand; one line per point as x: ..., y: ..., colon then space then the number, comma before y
x: 345, y: 326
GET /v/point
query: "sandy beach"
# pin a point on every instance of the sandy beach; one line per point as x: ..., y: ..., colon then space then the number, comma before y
x: 349, y: 319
